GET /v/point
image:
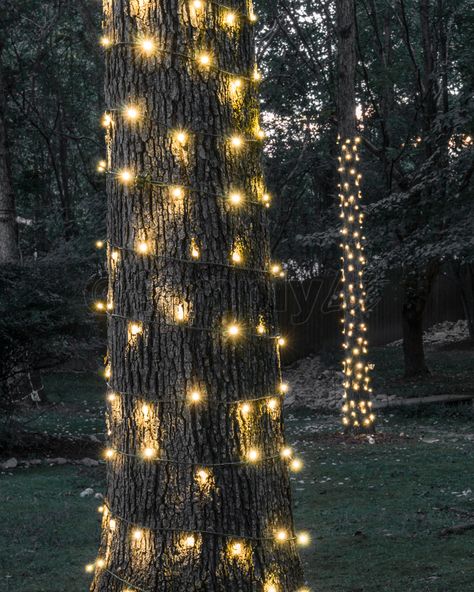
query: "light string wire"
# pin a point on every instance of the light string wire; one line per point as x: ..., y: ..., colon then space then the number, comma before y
x: 203, y: 465
x: 277, y: 396
x: 186, y: 327
x: 207, y: 263
x: 184, y: 128
x: 145, y: 179
x: 255, y: 78
x: 256, y: 539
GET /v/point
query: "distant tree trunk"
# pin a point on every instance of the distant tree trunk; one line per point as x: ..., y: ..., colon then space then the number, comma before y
x: 178, y: 515
x: 357, y: 415
x: 416, y: 290
x: 346, y: 68
x: 9, y: 252
x: 464, y: 276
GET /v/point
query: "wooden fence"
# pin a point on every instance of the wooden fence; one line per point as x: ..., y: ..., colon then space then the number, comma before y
x: 309, y: 314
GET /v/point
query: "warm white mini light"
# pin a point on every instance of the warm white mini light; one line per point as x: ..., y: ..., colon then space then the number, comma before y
x: 131, y: 113
x: 253, y: 455
x: 235, y: 198
x: 195, y: 396
x: 204, y: 59
x: 147, y: 46
x: 137, y: 534
x: 236, y: 141
x: 281, y: 536
x: 190, y: 541
x: 125, y: 176
x: 303, y: 539
x: 234, y: 330
x: 149, y: 452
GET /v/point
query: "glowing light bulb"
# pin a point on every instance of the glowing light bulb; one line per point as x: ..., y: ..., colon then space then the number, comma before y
x: 182, y: 138
x: 234, y: 330
x: 147, y: 46
x: 195, y: 396
x: 272, y: 404
x: 245, y: 408
x: 276, y: 269
x: 179, y: 313
x: 107, y: 120
x: 135, y: 329
x: 204, y: 59
x: 125, y: 176
x: 266, y: 198
x: 190, y: 541
x: 253, y: 17
x: 283, y: 387
x: 101, y: 509
x: 115, y: 255
x: 281, y: 341
x: 149, y: 452
x: 111, y: 397
x: 100, y: 563
x: 145, y: 410
x: 236, y: 257
x: 237, y: 549
x: 203, y: 476
x: 105, y: 41
x: 256, y: 75
x: 236, y: 84
x: 89, y: 568
x: 101, y: 166
x: 236, y: 141
x: 271, y: 588
x: 137, y: 534
x: 109, y: 453
x: 177, y: 192
x: 296, y: 465
x: 253, y: 455
x: 99, y: 244
x: 131, y: 113
x: 286, y: 452
x: 197, y: 4
x: 235, y: 198
x: 99, y: 306
x: 282, y: 536
x: 260, y: 134
x: 261, y: 329
x: 303, y: 539
x: 142, y: 247
x: 195, y: 254
x: 230, y: 18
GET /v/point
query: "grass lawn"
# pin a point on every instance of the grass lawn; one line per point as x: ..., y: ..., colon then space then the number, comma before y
x: 375, y: 510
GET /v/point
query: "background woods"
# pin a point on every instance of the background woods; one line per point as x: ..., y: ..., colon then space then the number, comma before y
x: 414, y: 83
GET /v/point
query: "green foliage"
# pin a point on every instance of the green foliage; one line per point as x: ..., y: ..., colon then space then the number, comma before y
x: 43, y: 312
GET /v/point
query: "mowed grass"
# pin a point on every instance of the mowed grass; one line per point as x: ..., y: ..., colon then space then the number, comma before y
x: 375, y: 511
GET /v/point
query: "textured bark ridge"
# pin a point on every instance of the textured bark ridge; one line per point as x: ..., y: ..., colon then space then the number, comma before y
x: 167, y: 525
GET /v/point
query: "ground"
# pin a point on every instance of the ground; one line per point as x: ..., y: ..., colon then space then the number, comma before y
x: 375, y: 510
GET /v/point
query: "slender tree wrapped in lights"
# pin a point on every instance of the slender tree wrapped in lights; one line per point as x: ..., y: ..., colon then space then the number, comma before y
x: 357, y: 408
x: 198, y: 493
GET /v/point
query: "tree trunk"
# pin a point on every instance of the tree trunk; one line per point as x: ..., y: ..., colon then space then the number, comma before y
x: 357, y: 414
x: 9, y: 252
x: 197, y: 487
x: 464, y: 276
x: 416, y: 290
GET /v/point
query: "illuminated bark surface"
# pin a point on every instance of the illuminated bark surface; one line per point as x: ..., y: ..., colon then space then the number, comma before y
x: 186, y: 265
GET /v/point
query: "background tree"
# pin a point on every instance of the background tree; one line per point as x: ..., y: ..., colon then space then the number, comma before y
x: 356, y: 408
x: 198, y: 490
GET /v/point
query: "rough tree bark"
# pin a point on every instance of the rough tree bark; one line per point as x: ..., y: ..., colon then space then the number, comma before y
x: 199, y: 524
x: 357, y: 414
x: 9, y: 252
